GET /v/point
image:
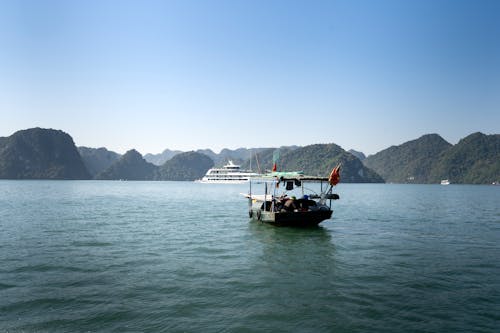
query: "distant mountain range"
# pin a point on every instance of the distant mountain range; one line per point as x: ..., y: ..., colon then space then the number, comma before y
x: 130, y: 166
x: 358, y: 154
x: 473, y: 160
x: 159, y: 159
x: 410, y: 162
x: 51, y: 154
x: 97, y: 160
x: 239, y: 155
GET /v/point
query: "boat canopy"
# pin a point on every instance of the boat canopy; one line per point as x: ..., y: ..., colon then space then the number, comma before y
x: 293, y: 176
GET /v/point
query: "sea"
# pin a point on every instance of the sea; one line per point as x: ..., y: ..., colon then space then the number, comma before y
x: 123, y: 256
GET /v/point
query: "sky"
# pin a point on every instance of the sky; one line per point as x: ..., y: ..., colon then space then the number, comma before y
x: 216, y: 74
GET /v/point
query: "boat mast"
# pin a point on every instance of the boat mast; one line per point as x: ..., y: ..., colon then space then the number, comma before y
x: 265, y: 195
x: 273, y: 199
x: 258, y: 165
x: 250, y: 196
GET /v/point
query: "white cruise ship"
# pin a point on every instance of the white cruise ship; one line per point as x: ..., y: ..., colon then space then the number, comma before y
x: 228, y: 174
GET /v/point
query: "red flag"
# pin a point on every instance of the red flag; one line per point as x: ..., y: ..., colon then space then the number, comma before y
x: 334, y: 178
x: 274, y: 167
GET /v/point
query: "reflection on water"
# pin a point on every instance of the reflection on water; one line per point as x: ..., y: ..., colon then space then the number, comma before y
x: 302, y: 250
x: 298, y: 266
x: 277, y: 238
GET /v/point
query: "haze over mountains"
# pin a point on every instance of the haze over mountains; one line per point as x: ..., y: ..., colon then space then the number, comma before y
x: 51, y: 154
x: 239, y: 155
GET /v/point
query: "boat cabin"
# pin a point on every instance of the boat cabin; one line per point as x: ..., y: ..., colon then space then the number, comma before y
x: 291, y: 200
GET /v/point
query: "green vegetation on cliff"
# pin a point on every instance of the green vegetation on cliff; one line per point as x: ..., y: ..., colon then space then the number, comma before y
x: 473, y: 160
x: 38, y: 153
x: 51, y: 154
x: 319, y: 160
x: 410, y: 162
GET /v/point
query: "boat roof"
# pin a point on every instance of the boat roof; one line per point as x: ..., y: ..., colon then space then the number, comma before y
x: 257, y: 197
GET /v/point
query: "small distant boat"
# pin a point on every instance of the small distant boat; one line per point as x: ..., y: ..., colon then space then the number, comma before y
x: 229, y: 174
x: 445, y: 182
x: 281, y: 209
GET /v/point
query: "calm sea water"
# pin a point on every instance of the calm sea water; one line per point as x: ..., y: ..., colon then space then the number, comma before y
x: 85, y: 256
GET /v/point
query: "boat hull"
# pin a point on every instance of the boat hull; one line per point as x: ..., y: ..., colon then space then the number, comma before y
x: 292, y: 219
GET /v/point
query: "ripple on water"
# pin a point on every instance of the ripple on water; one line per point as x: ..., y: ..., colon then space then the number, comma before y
x: 122, y: 257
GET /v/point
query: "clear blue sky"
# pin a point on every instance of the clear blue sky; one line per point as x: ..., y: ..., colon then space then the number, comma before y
x: 185, y: 74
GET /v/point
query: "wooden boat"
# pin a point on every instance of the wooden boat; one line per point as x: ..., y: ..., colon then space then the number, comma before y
x: 284, y: 209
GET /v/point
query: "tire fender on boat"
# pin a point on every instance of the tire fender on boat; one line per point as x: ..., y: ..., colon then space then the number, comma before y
x: 250, y: 213
x: 259, y: 215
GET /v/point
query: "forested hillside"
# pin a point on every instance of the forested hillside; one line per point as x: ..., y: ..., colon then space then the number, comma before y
x: 411, y: 162
x: 318, y: 160
x: 473, y: 160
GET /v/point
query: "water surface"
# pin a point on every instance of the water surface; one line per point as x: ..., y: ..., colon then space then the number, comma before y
x: 99, y: 256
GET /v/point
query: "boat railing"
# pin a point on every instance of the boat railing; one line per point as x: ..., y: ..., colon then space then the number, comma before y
x: 270, y: 189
